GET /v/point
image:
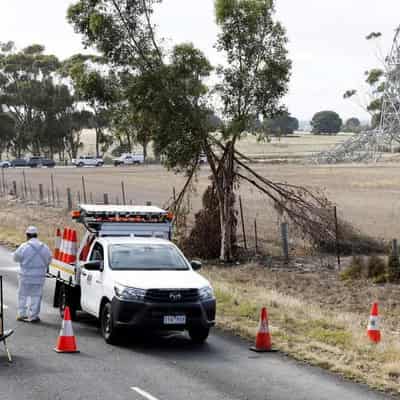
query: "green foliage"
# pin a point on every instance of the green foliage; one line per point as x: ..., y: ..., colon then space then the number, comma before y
x: 281, y: 125
x: 393, y: 268
x: 326, y: 122
x: 355, y: 270
x: 258, y: 69
x: 352, y: 125
x: 376, y: 267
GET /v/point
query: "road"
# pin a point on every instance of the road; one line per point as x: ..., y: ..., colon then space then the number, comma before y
x: 152, y: 368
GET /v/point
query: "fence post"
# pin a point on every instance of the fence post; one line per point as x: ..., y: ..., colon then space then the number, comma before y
x: 79, y: 197
x: 69, y: 199
x: 337, y: 236
x: 58, y: 197
x: 40, y: 193
x: 25, y: 189
x: 3, y: 181
x: 123, y: 193
x: 91, y: 198
x: 285, y: 240
x: 22, y: 191
x: 53, y: 195
x: 148, y: 203
x: 242, y: 219
x: 105, y: 198
x: 256, y: 234
x: 395, y: 249
x: 84, y: 190
x: 117, y: 200
x: 15, y: 188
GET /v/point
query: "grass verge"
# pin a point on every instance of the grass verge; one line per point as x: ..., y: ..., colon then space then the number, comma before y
x: 308, y: 328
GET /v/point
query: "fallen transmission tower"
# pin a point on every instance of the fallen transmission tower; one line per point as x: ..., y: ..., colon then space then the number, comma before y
x: 367, y: 146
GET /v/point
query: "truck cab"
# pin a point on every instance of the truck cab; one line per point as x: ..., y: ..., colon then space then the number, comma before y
x: 130, y: 275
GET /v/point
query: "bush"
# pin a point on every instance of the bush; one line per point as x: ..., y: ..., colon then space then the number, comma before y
x: 355, y: 270
x: 204, y: 240
x: 393, y: 268
x: 376, y: 267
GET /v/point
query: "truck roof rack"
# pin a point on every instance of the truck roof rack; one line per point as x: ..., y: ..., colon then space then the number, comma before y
x: 89, y: 214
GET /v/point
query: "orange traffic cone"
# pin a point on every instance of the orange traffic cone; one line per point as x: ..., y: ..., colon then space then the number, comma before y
x: 373, y: 331
x: 74, y: 247
x: 57, y: 245
x: 67, y: 246
x: 63, y: 245
x: 263, y: 338
x: 66, y: 340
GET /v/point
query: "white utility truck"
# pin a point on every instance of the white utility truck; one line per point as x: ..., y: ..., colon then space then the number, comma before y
x: 129, y: 159
x: 129, y: 274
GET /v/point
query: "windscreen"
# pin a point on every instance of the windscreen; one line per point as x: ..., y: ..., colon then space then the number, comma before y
x: 146, y: 257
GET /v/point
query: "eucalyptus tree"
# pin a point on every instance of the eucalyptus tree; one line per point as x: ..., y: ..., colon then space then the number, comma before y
x: 169, y: 84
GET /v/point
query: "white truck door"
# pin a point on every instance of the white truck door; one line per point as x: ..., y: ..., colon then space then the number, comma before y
x: 92, y: 283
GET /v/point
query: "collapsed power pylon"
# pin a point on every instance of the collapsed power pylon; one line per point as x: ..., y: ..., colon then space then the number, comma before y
x: 367, y: 146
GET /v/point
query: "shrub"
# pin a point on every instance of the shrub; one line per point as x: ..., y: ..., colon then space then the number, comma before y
x: 376, y: 267
x: 393, y: 268
x: 355, y: 270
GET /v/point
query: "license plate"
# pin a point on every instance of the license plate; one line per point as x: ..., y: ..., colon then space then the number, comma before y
x: 174, y: 319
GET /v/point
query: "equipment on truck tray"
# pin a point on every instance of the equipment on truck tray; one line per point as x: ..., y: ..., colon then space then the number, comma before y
x: 4, y: 334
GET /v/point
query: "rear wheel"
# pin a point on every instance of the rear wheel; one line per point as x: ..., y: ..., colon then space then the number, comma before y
x: 108, y: 330
x: 64, y: 301
x: 199, y: 335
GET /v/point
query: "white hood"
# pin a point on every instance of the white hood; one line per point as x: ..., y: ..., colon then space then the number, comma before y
x: 160, y: 279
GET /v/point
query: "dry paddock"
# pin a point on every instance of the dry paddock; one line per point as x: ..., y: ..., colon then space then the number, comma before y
x: 367, y: 195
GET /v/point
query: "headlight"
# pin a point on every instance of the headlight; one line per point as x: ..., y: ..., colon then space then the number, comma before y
x: 128, y: 293
x: 206, y: 293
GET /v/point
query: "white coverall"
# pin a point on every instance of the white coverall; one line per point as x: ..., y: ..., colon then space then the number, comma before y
x: 34, y: 258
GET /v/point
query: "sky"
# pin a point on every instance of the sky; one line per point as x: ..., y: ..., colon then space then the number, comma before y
x: 326, y: 41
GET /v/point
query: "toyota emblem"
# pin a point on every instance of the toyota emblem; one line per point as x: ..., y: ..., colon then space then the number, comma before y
x: 175, y: 296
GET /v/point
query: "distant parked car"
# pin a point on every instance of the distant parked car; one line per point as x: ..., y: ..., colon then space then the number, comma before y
x: 35, y: 162
x: 129, y: 159
x: 83, y: 161
x: 19, y: 162
x: 203, y: 158
x: 5, y: 164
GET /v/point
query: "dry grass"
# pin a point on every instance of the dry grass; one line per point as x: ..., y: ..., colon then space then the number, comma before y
x: 314, y: 316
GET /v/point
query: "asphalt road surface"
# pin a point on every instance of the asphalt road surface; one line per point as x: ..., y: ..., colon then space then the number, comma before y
x: 153, y: 368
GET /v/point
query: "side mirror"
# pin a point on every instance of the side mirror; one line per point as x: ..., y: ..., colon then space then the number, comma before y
x: 94, y: 265
x: 196, y: 265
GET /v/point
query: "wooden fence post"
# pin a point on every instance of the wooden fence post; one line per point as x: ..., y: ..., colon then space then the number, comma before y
x: 79, y: 197
x: 69, y: 199
x: 242, y: 219
x: 40, y: 193
x: 53, y: 195
x: 337, y: 237
x: 256, y: 234
x: 285, y: 240
x: 105, y: 198
x: 123, y: 193
x: 25, y: 189
x: 84, y: 190
x: 3, y: 181
x: 14, y: 183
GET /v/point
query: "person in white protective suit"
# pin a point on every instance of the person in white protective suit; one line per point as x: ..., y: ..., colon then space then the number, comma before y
x: 34, y: 258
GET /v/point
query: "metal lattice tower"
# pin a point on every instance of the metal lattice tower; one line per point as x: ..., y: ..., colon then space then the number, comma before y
x: 367, y: 146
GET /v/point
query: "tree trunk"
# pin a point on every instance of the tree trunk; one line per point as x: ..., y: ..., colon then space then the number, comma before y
x: 144, y: 145
x: 97, y: 142
x: 227, y: 207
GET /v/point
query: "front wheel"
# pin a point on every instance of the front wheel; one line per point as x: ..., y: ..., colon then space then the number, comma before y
x: 199, y: 335
x: 108, y: 330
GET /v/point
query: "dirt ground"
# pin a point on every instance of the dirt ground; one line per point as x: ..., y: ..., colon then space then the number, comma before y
x: 366, y: 195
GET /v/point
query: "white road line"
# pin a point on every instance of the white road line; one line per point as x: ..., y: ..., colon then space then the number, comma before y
x: 146, y: 395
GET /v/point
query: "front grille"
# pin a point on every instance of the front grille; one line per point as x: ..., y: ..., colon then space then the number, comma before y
x: 172, y: 296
